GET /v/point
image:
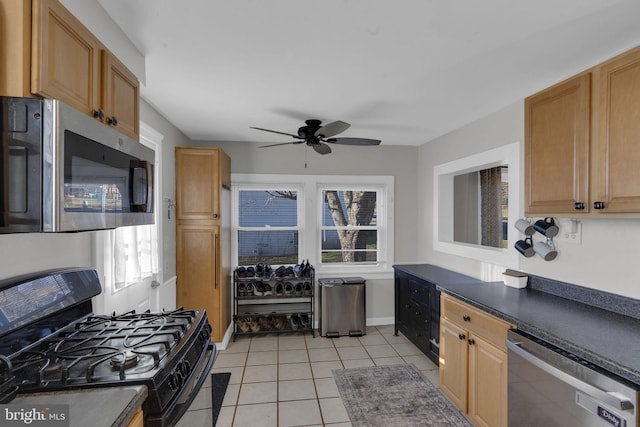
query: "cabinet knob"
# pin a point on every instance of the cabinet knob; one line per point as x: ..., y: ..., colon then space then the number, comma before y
x: 466, y: 318
x: 471, y: 341
x: 418, y: 313
x: 461, y: 336
x: 578, y: 206
x: 598, y: 205
x: 216, y: 215
x: 113, y: 121
x: 98, y: 114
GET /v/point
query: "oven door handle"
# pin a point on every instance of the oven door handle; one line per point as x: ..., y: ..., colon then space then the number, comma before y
x: 610, y: 398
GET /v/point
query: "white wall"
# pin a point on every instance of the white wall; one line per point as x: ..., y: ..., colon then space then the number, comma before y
x: 398, y: 161
x: 607, y: 258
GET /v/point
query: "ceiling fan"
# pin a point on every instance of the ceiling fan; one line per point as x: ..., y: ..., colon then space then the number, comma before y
x: 315, y: 135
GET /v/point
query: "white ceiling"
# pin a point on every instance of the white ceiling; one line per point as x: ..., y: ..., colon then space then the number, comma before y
x: 401, y: 71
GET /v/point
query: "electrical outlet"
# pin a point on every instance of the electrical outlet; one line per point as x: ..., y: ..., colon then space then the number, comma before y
x: 570, y: 231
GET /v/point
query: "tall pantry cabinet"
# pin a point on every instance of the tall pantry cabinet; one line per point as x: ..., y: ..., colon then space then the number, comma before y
x: 203, y: 236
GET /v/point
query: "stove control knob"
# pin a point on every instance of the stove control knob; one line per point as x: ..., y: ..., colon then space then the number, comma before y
x: 176, y: 381
x: 184, y: 368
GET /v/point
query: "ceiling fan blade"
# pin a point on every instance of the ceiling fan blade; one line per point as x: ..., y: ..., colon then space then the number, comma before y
x: 282, y: 143
x: 332, y: 128
x: 276, y: 131
x: 321, y: 148
x: 354, y: 141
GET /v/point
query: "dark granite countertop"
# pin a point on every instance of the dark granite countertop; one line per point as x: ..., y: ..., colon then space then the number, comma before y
x: 603, y: 337
x: 96, y: 407
x: 436, y: 275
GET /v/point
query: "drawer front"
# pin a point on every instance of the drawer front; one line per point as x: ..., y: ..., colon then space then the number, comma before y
x: 475, y: 321
x: 418, y: 291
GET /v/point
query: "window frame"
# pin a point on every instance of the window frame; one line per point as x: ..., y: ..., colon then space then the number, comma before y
x: 236, y: 228
x: 380, y: 211
x: 310, y: 189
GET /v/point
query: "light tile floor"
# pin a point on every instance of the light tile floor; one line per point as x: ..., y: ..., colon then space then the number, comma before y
x: 286, y: 380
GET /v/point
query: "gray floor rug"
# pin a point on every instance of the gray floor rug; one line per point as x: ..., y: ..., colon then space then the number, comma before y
x: 395, y: 395
x: 219, y: 383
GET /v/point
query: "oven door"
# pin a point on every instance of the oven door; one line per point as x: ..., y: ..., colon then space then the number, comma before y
x: 549, y: 387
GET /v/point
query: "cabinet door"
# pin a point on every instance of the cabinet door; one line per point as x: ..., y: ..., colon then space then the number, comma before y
x: 199, y: 279
x: 557, y: 148
x: 65, y: 57
x: 120, y: 95
x: 487, y: 383
x: 15, y: 45
x: 619, y: 147
x: 453, y: 362
x: 402, y: 301
x: 198, y: 184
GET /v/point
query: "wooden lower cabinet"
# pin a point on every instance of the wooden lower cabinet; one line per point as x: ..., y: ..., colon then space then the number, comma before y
x: 454, y: 362
x: 201, y: 284
x: 487, y: 383
x: 473, y: 362
x: 137, y: 420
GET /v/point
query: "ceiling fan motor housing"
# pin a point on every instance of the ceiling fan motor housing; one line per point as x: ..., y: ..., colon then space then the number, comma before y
x: 308, y: 132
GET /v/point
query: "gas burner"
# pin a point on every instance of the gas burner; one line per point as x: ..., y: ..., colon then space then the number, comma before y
x: 124, y: 360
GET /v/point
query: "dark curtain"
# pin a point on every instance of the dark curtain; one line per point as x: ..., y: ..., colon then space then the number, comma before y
x: 491, y: 211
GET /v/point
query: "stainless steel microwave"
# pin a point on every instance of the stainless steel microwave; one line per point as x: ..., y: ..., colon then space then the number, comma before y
x: 63, y: 171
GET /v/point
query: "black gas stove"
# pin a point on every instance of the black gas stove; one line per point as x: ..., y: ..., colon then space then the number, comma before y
x: 50, y: 340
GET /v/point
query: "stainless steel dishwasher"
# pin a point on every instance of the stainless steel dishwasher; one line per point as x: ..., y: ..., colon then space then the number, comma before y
x: 551, y: 387
x: 342, y: 306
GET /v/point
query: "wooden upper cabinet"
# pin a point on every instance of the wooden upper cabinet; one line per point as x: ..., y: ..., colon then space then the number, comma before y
x: 68, y: 63
x: 65, y: 57
x: 120, y: 96
x: 200, y: 175
x: 619, y: 135
x: 15, y: 48
x: 582, y: 143
x: 557, y: 148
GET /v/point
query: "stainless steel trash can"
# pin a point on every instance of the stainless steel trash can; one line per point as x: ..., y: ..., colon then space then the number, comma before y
x: 342, y: 307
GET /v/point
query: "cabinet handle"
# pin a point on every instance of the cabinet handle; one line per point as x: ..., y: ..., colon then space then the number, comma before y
x: 472, y: 341
x: 113, y: 121
x: 578, y: 206
x: 598, y: 205
x: 98, y: 114
x: 466, y: 318
x: 216, y: 260
x: 216, y: 216
x: 462, y: 336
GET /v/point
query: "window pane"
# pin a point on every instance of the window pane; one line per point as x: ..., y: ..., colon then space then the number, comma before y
x: 340, y: 208
x: 268, y: 208
x: 361, y: 247
x: 273, y: 247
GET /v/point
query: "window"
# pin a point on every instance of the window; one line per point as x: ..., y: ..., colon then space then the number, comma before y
x: 349, y: 232
x: 268, y: 226
x: 341, y: 224
x: 458, y: 208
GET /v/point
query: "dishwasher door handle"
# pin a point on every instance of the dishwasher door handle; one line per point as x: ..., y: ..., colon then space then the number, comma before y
x: 609, y: 398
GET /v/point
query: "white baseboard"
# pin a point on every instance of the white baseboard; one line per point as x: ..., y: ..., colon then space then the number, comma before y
x: 226, y: 339
x: 379, y: 321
